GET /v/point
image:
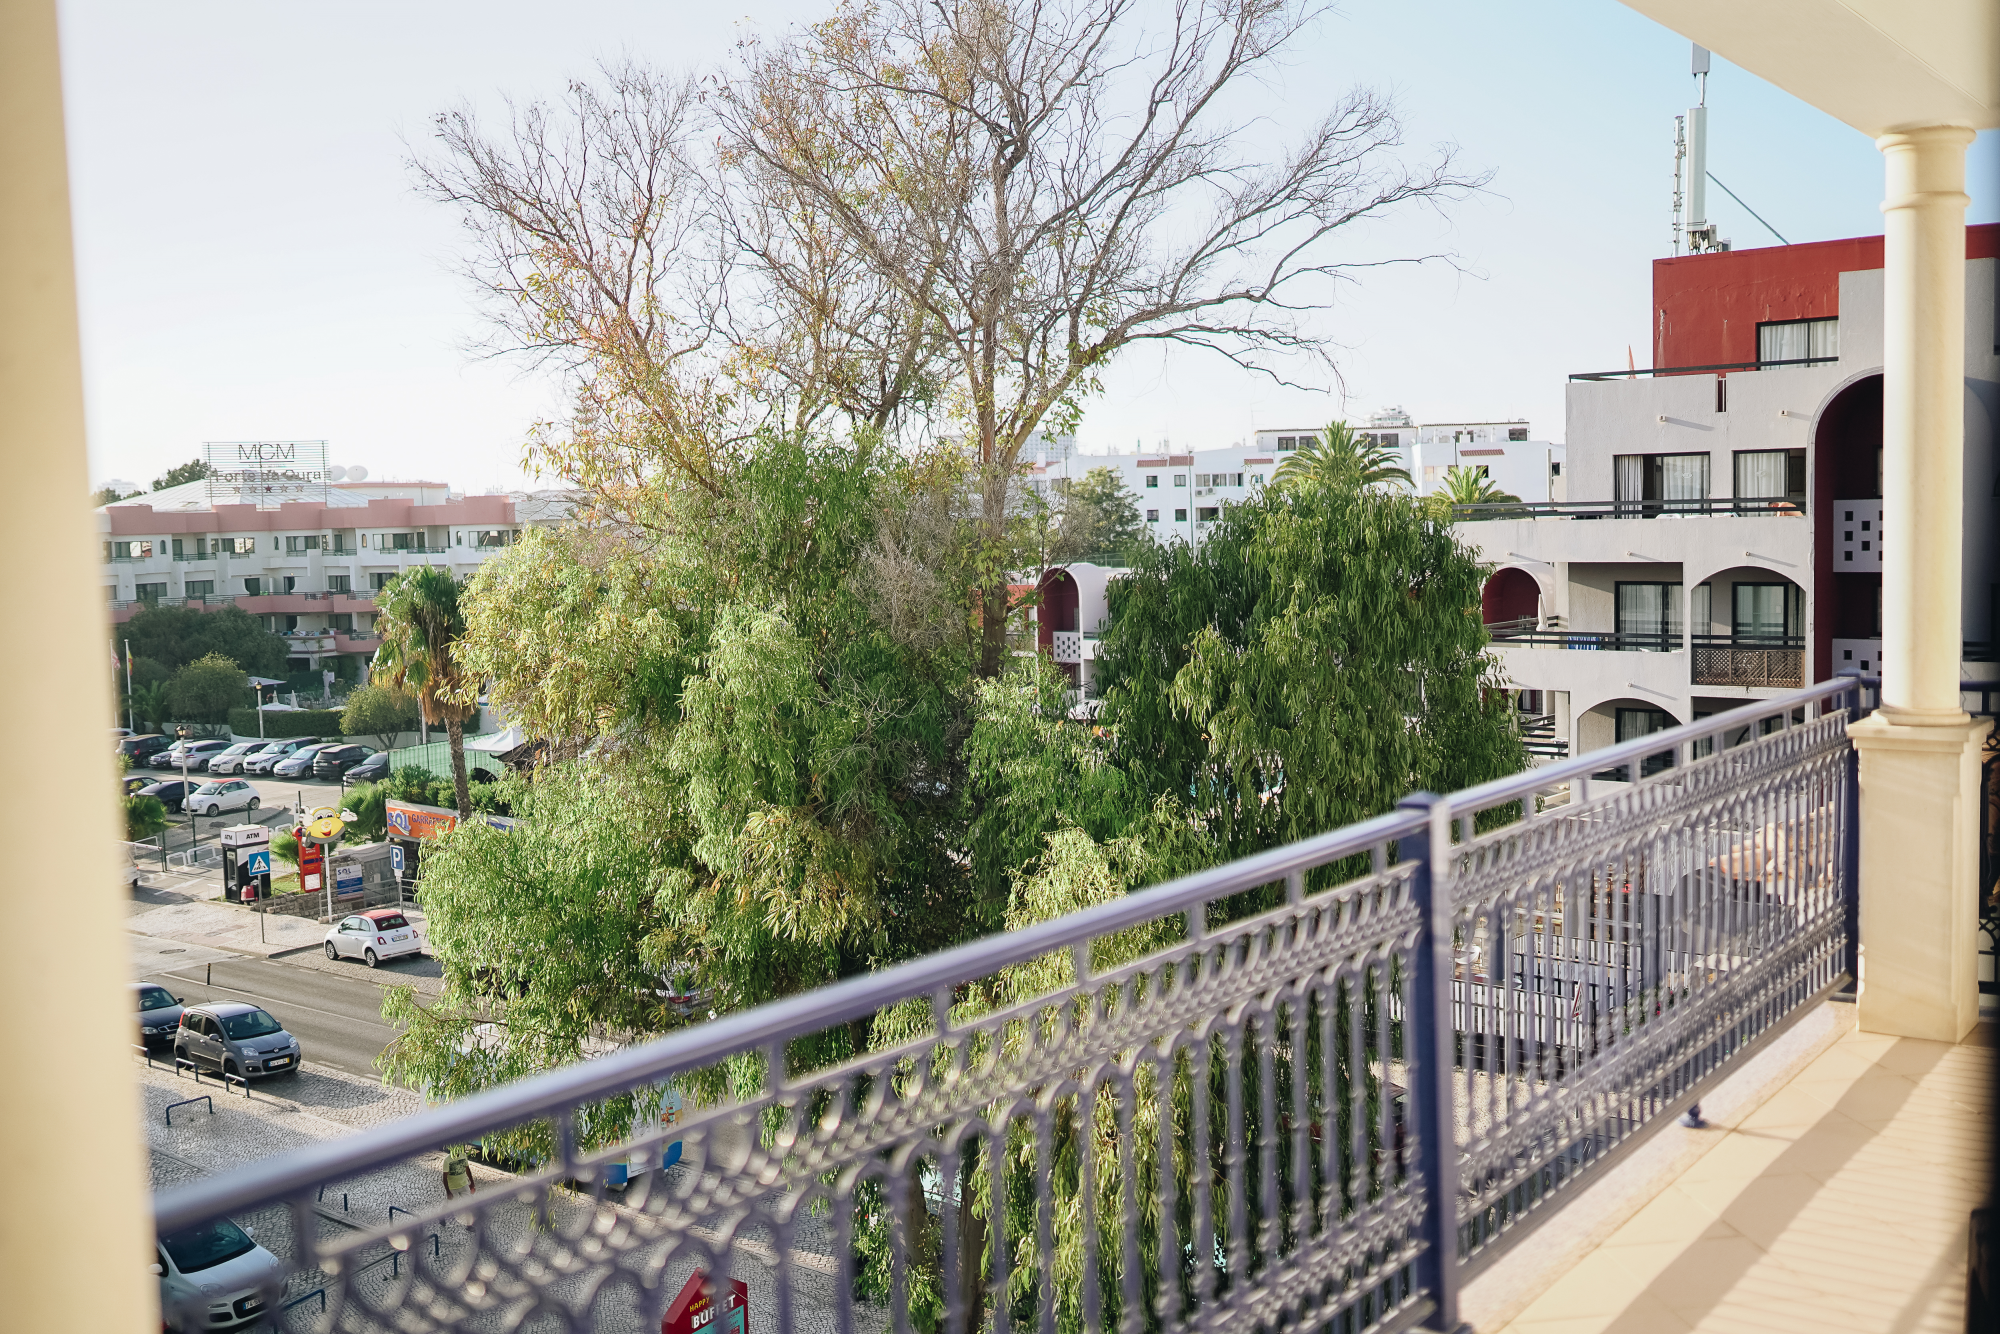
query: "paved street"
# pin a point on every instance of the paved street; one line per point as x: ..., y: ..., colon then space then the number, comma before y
x: 337, y: 1020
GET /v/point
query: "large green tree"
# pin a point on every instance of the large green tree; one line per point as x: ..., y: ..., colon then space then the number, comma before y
x: 379, y: 711
x: 166, y: 639
x: 206, y: 690
x: 419, y: 617
x: 191, y: 471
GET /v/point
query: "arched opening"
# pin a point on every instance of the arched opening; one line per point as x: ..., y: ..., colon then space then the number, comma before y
x: 1510, y: 600
x: 1618, y: 720
x: 1847, y: 532
x: 1057, y: 615
x: 1747, y: 627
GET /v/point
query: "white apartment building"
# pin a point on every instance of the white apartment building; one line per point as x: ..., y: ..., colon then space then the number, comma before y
x: 309, y: 567
x: 1721, y: 539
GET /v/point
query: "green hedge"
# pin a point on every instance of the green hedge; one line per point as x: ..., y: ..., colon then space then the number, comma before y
x: 306, y: 722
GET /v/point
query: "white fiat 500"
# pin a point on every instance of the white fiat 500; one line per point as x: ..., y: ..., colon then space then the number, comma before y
x: 372, y: 936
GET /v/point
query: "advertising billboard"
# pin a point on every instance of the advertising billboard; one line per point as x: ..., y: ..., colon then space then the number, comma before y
x: 693, y: 1312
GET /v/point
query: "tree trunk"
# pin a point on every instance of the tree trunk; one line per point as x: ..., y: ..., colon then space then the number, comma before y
x: 992, y: 629
x: 455, y: 729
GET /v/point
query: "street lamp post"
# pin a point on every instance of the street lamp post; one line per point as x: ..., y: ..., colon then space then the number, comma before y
x: 187, y: 807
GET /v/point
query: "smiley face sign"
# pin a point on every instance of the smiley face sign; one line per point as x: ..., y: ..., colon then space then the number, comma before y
x: 325, y: 829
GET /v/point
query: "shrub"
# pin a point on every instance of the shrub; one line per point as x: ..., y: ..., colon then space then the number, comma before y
x: 278, y: 726
x: 144, y: 816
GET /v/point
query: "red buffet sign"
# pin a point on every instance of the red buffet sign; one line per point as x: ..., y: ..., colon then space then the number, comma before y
x: 693, y: 1312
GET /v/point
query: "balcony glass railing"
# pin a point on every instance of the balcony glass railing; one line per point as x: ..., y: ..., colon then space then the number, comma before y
x: 1785, y: 507
x: 1369, y: 1061
x: 1524, y: 634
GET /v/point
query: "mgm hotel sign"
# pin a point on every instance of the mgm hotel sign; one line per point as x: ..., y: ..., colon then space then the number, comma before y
x: 265, y: 473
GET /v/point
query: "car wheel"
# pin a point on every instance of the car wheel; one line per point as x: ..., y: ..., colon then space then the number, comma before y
x: 372, y: 960
x: 253, y: 804
x: 331, y: 952
x: 231, y: 1069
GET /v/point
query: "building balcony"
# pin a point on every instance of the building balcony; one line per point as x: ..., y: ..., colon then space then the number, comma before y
x: 1726, y: 660
x: 358, y: 642
x: 1710, y: 507
x: 1541, y: 1033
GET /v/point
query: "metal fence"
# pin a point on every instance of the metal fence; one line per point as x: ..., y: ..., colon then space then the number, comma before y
x: 1316, y: 1087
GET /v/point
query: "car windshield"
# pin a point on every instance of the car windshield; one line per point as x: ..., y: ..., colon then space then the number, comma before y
x: 207, y: 1246
x: 209, y: 789
x: 155, y: 998
x: 269, y: 748
x: 393, y: 922
x: 254, y: 1024
x: 240, y: 747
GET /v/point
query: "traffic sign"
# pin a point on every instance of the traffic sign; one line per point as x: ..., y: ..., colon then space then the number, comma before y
x: 396, y: 858
x: 258, y: 862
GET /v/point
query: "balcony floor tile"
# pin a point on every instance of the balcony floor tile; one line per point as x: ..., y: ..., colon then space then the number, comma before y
x: 1840, y: 1203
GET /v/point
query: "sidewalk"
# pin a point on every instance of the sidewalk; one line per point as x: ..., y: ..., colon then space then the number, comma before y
x: 1841, y: 1202
x: 193, y: 912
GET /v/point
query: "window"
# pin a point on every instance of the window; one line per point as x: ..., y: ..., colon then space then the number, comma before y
x: 1771, y: 474
x: 1288, y: 442
x: 1555, y: 470
x: 1798, y: 341
x: 149, y: 592
x: 1769, y: 613
x: 178, y: 553
x: 337, y: 583
x: 376, y: 581
x: 1207, y: 513
x: 1517, y: 434
x: 252, y: 586
x: 1180, y: 516
x: 1256, y: 479
x: 1701, y: 609
x: 343, y: 621
x: 1152, y: 516
x: 291, y: 584
x: 1180, y: 479
x: 132, y: 550
x: 1152, y: 479
x: 236, y: 546
x: 1649, y: 616
x: 296, y: 544
x: 200, y: 588
x: 399, y: 541
x: 1681, y: 478
x: 340, y: 547
x: 1635, y: 723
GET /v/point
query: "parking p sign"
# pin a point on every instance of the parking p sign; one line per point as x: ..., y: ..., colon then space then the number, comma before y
x: 396, y: 858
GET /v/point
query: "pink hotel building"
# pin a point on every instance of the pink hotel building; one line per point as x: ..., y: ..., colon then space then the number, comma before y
x: 309, y: 568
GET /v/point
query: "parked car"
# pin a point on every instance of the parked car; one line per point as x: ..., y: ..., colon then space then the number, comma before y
x: 299, y: 764
x: 372, y: 936
x: 213, y: 1276
x: 333, y: 761
x: 371, y: 770
x: 159, y: 1012
x: 143, y: 748
x: 131, y: 784
x: 219, y: 795
x: 225, y: 761
x: 235, y: 1038
x: 274, y: 752
x: 196, y: 754
x: 173, y: 792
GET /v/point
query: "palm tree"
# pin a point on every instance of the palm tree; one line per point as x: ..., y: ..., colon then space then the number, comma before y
x: 1471, y: 486
x: 420, y: 621
x: 1341, y: 453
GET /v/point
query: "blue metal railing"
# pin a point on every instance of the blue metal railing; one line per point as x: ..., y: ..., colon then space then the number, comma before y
x: 1346, y: 1074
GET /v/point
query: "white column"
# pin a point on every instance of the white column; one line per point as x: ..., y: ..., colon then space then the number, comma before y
x: 75, y: 1226
x: 1923, y: 421
x: 1919, y: 753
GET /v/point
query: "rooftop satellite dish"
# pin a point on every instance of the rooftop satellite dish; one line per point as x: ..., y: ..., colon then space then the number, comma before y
x: 357, y: 474
x: 336, y: 473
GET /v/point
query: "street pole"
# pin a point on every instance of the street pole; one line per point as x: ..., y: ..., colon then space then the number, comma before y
x: 131, y: 724
x: 187, y: 807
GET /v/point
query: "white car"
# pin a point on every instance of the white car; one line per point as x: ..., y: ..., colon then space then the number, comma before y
x: 229, y: 794
x: 213, y: 1276
x: 231, y: 761
x: 372, y: 936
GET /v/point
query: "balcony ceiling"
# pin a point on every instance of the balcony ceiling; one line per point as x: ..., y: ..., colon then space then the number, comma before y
x: 1878, y: 65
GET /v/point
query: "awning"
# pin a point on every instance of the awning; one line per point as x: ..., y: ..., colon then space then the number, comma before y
x: 494, y: 743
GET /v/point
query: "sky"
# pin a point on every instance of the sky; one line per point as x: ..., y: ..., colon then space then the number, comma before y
x: 254, y: 263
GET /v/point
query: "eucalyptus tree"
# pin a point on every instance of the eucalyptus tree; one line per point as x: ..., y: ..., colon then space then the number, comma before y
x: 1047, y: 182
x: 421, y: 621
